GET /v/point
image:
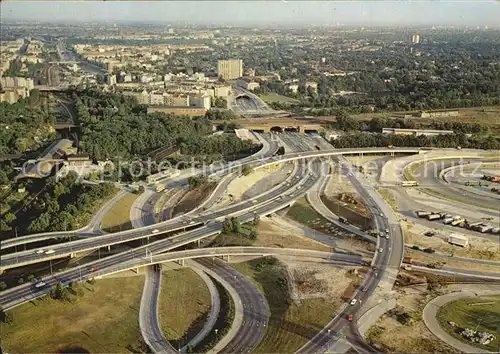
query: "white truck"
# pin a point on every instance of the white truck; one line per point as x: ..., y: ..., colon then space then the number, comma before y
x: 458, y: 239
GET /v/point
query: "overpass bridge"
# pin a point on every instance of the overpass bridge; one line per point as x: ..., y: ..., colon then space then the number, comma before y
x: 275, y: 124
x: 21, y: 294
x: 265, y: 204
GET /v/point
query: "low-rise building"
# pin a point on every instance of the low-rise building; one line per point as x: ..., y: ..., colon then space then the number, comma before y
x: 247, y: 84
x: 179, y: 110
x: 200, y: 101
x: 427, y: 132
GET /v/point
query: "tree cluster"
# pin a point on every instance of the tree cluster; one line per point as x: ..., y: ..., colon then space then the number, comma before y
x: 23, y: 128
x: 61, y: 206
x: 195, y: 182
x: 363, y: 139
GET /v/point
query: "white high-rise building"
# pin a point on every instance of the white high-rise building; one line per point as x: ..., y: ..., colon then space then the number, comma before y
x: 230, y: 69
x: 415, y: 39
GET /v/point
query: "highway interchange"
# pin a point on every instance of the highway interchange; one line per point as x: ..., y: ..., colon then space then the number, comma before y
x: 204, y: 222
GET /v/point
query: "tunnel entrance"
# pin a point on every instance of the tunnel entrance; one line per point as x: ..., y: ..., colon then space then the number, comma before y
x: 276, y: 130
x: 310, y: 131
x: 291, y: 130
x: 258, y: 130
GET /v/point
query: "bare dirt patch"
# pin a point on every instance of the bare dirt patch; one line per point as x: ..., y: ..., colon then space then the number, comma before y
x: 403, y: 330
x: 319, y: 280
x: 479, y: 247
x: 193, y: 198
x: 272, y: 235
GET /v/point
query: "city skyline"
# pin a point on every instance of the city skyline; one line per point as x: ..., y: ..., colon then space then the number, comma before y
x: 262, y: 13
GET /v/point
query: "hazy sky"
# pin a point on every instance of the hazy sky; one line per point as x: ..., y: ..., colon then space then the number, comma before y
x: 378, y: 12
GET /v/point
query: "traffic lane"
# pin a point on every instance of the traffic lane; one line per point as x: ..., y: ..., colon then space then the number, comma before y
x: 255, y: 309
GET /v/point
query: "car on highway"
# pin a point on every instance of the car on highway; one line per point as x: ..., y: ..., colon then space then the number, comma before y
x: 353, y: 302
x: 376, y: 274
x: 155, y: 231
x: 381, y: 214
x: 364, y: 288
x: 386, y: 231
x: 93, y: 269
x: 380, y: 250
x: 50, y: 252
x: 40, y: 251
x: 349, y: 317
x: 40, y: 284
x: 191, y: 222
x: 386, y: 236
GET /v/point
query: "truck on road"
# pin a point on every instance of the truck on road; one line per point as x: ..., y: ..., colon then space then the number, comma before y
x: 409, y: 183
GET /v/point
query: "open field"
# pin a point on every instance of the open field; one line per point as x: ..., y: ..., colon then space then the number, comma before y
x: 479, y: 247
x: 480, y: 313
x: 118, y: 217
x: 272, y: 235
x: 403, y: 330
x: 183, y: 305
x: 290, y: 324
x: 274, y: 97
x: 302, y: 212
x: 104, y: 319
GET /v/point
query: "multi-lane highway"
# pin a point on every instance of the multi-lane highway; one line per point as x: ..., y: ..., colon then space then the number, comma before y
x: 180, y: 223
x: 255, y: 309
x: 69, y: 248
x: 385, y: 265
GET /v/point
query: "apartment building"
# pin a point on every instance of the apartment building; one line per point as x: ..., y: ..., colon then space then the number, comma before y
x: 17, y: 82
x: 230, y: 69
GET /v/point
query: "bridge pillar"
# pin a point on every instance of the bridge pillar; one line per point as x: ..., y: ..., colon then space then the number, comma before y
x: 72, y: 255
x: 180, y: 262
x: 225, y: 258
x: 109, y: 248
x: 198, y: 243
x: 135, y: 270
x: 392, y: 153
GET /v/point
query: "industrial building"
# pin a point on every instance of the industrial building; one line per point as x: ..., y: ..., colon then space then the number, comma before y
x: 179, y: 110
x: 427, y: 132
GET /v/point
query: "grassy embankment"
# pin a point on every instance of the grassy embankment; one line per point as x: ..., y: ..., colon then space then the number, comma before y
x: 184, y: 303
x: 290, y: 325
x: 274, y: 97
x: 118, y: 217
x: 103, y: 319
